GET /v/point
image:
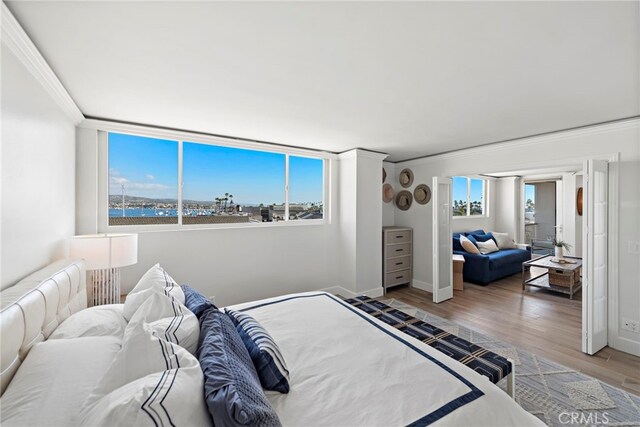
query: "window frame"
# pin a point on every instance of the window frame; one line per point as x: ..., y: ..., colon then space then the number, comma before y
x: 182, y: 137
x: 485, y: 197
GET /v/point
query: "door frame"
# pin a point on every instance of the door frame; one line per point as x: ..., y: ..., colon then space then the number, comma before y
x: 613, y: 339
x: 436, y: 240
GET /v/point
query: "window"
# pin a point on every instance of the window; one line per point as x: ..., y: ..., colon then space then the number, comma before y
x: 220, y: 184
x: 143, y: 180
x: 469, y: 197
x: 306, y: 183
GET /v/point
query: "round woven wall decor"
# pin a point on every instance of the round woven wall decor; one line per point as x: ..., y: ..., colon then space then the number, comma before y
x: 406, y: 178
x: 422, y: 194
x: 404, y: 200
x: 387, y: 193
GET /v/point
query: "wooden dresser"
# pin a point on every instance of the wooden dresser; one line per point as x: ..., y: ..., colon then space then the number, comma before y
x: 397, y: 256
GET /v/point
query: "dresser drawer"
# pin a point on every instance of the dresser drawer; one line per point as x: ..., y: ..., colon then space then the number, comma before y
x: 399, y: 263
x: 398, y: 236
x: 397, y: 277
x: 402, y: 249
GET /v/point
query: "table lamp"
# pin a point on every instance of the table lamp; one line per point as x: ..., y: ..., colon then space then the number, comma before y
x: 104, y: 255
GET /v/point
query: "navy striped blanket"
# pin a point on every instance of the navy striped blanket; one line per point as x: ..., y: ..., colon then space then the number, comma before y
x: 483, y: 361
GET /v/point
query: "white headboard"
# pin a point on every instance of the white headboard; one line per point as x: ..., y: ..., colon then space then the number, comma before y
x: 32, y: 308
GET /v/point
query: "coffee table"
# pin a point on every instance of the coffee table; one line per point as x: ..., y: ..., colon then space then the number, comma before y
x: 542, y: 280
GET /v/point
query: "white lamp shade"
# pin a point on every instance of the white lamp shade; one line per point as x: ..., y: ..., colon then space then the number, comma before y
x: 105, y: 250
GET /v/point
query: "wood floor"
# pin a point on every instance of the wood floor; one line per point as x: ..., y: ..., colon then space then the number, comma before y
x: 544, y: 323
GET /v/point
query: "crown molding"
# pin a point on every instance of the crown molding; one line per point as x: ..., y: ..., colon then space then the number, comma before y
x: 17, y: 40
x: 361, y: 152
x: 530, y: 141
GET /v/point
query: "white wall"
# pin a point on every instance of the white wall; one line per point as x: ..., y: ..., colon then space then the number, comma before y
x: 388, y: 209
x: 361, y: 221
x: 507, y: 209
x: 38, y: 173
x: 530, y: 153
x: 233, y: 264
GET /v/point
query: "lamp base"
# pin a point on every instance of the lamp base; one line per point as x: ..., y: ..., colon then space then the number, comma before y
x: 105, y: 286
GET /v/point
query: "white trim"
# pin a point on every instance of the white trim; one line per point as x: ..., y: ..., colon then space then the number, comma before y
x: 613, y: 288
x: 17, y: 40
x: 339, y: 290
x: 359, y: 152
x: 419, y: 284
x: 200, y: 138
x: 103, y: 195
x: 628, y: 346
x: 526, y: 142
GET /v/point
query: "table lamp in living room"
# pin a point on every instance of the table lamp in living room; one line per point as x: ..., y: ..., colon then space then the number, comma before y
x: 105, y: 254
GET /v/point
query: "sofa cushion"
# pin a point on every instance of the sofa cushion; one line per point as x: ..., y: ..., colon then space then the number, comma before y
x: 480, y: 231
x: 487, y: 247
x: 483, y: 237
x: 456, y: 243
x: 507, y: 257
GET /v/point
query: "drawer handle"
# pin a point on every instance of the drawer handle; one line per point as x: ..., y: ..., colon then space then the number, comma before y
x: 398, y: 237
x: 398, y: 263
x: 399, y: 277
x: 399, y: 250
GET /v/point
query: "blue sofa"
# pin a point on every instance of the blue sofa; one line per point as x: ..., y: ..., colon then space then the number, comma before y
x: 484, y: 269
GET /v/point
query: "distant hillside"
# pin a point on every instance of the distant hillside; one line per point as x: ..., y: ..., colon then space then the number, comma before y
x: 113, y: 199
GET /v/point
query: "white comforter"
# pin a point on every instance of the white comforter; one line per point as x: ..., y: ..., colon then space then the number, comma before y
x: 349, y: 369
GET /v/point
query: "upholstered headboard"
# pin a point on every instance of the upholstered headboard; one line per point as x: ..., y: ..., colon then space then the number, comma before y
x: 32, y: 308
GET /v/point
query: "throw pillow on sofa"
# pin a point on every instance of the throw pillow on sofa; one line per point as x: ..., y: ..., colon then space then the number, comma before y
x: 504, y: 241
x: 468, y: 246
x: 487, y: 247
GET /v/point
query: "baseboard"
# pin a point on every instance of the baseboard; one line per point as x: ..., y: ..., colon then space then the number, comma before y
x: 338, y: 290
x: 419, y: 284
x: 627, y: 345
x: 374, y: 292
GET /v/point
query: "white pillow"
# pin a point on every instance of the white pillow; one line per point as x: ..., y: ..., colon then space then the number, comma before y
x: 504, y: 241
x: 154, y: 278
x: 54, y: 380
x: 468, y: 245
x: 487, y: 247
x: 169, y: 319
x: 102, y: 320
x: 151, y: 382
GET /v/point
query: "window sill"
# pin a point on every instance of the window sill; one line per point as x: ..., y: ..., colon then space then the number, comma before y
x: 471, y: 217
x: 201, y: 227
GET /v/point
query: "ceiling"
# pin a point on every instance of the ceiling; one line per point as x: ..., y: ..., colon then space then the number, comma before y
x: 405, y: 78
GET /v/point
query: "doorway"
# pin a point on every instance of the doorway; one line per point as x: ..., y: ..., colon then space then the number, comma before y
x: 593, y: 229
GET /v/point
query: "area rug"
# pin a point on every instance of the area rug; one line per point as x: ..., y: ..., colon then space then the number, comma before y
x: 558, y: 395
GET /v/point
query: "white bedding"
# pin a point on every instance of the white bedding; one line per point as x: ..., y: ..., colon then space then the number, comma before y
x: 349, y: 369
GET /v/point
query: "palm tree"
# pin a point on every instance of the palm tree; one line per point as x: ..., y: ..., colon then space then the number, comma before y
x: 226, y: 197
x: 231, y: 200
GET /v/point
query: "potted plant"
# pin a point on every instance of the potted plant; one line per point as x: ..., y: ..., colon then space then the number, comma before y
x: 560, y: 246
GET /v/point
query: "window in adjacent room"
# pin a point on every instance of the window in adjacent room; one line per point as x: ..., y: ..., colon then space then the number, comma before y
x: 469, y: 196
x: 143, y: 180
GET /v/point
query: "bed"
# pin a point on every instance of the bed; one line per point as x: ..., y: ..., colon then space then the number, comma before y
x: 346, y: 367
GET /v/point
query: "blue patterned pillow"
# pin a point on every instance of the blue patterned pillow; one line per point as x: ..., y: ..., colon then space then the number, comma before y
x: 231, y: 386
x: 264, y: 352
x: 195, y: 301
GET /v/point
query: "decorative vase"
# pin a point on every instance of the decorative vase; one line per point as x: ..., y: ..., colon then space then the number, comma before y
x: 559, y: 252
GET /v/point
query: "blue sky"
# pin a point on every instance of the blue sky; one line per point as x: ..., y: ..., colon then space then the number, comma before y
x: 460, y: 189
x: 149, y: 168
x: 530, y: 192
